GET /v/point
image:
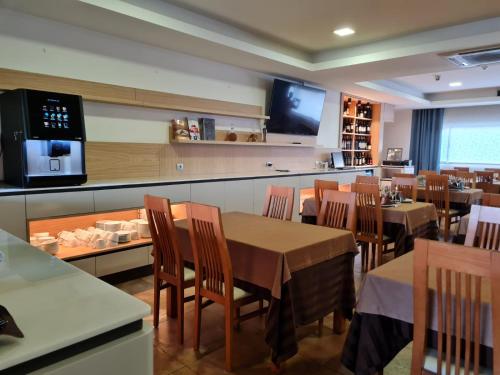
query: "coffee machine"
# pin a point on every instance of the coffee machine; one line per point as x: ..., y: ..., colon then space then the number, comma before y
x: 43, y: 138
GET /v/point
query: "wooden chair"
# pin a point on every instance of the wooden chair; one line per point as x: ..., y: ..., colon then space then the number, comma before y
x: 462, y: 169
x: 370, y: 225
x: 455, y: 268
x: 469, y: 178
x: 485, y: 176
x: 437, y: 192
x: 492, y: 200
x: 406, y: 185
x: 483, y: 229
x: 496, y: 172
x: 374, y: 180
x: 448, y: 172
x: 168, y: 266
x: 319, y: 187
x: 214, y: 273
x: 406, y: 175
x: 279, y: 202
x: 484, y: 181
x: 424, y: 172
x: 338, y: 210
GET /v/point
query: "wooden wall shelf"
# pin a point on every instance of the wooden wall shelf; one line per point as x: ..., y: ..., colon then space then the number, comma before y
x: 114, y: 94
x: 229, y: 143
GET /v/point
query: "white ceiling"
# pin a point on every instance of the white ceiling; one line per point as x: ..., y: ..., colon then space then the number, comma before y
x: 263, y: 35
x: 471, y: 78
x: 308, y: 24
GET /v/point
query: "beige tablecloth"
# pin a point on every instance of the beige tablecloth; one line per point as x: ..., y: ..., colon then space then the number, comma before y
x: 396, y: 276
x: 466, y: 196
x: 266, y: 251
x: 411, y: 215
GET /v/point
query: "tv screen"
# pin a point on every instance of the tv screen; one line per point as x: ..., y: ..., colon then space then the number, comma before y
x: 295, y: 109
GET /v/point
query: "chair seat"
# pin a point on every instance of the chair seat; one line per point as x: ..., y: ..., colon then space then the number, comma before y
x: 430, y: 364
x: 188, y: 274
x: 237, y: 292
x: 452, y: 212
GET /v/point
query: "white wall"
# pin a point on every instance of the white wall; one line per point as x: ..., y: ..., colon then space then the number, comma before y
x: 398, y: 133
x: 43, y: 46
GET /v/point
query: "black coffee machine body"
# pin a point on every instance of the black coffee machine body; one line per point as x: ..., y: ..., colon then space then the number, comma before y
x: 43, y: 138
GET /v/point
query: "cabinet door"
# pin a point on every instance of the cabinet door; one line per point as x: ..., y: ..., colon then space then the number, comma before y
x: 121, y: 261
x: 13, y: 215
x: 116, y: 199
x: 260, y: 186
x: 211, y: 193
x: 87, y: 265
x: 59, y: 204
x: 238, y: 196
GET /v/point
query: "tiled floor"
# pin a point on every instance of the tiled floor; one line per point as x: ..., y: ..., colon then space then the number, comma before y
x: 317, y: 355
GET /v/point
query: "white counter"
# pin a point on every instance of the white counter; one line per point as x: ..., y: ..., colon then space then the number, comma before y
x: 55, y: 304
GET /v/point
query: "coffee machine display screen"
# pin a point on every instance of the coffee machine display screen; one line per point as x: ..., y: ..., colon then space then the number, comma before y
x: 55, y: 116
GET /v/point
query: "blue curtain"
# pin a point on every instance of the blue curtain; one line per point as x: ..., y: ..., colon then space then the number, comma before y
x: 425, y: 146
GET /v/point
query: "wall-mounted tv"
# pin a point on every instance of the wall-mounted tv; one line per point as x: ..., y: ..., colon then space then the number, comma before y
x: 295, y: 108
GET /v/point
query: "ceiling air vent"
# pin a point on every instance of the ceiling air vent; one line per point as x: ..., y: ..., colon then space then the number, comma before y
x: 476, y: 58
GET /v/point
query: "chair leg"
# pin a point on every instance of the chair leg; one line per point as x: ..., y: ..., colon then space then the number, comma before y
x: 172, y: 301
x: 180, y: 313
x: 364, y: 258
x: 339, y: 325
x: 379, y: 250
x: 320, y: 327
x: 229, y: 335
x: 197, y: 322
x: 156, y: 302
x: 446, y: 229
x: 237, y: 318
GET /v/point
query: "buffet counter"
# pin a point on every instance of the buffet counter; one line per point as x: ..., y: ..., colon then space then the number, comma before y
x: 64, y: 314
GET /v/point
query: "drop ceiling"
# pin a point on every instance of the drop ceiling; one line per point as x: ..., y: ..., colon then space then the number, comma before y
x: 396, y: 41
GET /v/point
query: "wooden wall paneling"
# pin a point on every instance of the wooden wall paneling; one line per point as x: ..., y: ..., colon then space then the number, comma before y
x: 110, y: 160
x: 375, y: 138
x: 194, y: 104
x: 106, y: 93
x: 13, y: 79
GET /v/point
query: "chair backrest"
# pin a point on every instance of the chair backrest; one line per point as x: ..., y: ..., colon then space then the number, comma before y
x: 406, y: 185
x: 459, y: 272
x: 368, y: 211
x: 424, y: 172
x: 403, y: 175
x: 279, y: 202
x: 168, y: 257
x: 338, y: 210
x: 492, y: 200
x: 483, y: 229
x: 319, y: 187
x: 484, y: 176
x: 437, y: 192
x: 374, y: 180
x: 213, y: 269
x: 448, y: 172
x: 496, y: 171
x: 469, y: 178
x: 462, y: 169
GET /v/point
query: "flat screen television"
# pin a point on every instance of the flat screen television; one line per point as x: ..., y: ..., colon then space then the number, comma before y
x: 295, y: 108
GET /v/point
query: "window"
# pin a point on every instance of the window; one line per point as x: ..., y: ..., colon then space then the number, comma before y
x: 471, y: 135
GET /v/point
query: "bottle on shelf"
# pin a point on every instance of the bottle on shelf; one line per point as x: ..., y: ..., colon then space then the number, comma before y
x: 369, y: 128
x: 368, y: 110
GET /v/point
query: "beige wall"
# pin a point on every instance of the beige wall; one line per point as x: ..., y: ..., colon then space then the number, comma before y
x: 42, y: 46
x: 398, y: 133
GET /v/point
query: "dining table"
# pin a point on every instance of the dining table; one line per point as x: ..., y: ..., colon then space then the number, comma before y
x: 382, y: 324
x: 459, y: 198
x: 402, y: 221
x: 305, y: 271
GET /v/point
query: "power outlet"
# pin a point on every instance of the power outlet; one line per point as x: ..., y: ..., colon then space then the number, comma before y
x: 269, y: 163
x: 179, y: 167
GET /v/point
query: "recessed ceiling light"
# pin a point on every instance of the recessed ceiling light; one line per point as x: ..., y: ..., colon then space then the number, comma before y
x: 455, y: 84
x: 344, y: 31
